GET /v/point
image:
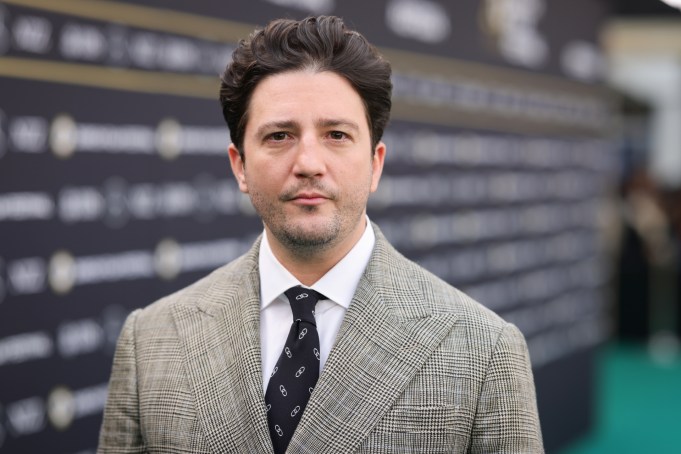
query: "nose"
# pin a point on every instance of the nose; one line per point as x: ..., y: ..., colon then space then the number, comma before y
x: 309, y: 158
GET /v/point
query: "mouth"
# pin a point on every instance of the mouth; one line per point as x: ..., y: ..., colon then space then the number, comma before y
x: 308, y: 198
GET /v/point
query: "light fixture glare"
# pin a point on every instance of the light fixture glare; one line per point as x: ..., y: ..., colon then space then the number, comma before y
x: 673, y: 3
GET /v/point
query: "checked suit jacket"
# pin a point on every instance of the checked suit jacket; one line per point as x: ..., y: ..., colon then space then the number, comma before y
x: 417, y: 367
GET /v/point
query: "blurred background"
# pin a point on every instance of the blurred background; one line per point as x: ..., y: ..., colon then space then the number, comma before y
x: 534, y: 161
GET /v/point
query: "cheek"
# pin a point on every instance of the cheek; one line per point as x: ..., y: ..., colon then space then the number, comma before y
x: 352, y: 167
x: 263, y: 179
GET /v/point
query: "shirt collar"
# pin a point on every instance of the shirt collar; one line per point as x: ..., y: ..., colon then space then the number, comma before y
x: 338, y: 284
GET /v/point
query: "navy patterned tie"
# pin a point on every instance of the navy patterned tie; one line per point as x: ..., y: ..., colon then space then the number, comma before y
x: 297, y: 370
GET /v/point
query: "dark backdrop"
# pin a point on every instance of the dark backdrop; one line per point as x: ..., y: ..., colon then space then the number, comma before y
x: 115, y: 187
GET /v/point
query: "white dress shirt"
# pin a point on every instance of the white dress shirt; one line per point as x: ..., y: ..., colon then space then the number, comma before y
x: 338, y: 284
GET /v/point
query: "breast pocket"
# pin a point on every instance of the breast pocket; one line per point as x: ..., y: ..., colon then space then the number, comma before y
x: 413, y: 429
x: 424, y: 419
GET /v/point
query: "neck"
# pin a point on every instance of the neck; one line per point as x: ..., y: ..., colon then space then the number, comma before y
x: 309, y: 267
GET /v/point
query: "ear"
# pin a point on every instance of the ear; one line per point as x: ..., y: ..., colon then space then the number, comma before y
x: 238, y: 167
x: 377, y: 165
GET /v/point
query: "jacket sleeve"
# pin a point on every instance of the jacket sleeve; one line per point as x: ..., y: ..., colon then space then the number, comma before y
x: 506, y: 419
x: 120, y: 432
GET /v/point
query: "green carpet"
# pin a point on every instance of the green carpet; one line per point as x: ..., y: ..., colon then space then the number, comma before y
x: 638, y: 404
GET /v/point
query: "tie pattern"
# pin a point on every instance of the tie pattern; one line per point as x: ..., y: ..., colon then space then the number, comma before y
x: 297, y: 370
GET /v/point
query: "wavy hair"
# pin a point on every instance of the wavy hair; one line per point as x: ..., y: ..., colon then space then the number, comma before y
x: 318, y: 44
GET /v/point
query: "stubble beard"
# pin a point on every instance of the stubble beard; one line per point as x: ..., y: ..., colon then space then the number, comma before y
x: 303, y: 240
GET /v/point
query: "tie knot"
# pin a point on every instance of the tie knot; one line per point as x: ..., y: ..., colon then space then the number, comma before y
x: 302, y: 301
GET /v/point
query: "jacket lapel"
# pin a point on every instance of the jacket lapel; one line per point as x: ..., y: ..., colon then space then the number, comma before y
x: 387, y: 335
x: 220, y: 335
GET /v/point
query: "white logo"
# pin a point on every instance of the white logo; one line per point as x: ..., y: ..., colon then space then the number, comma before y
x: 62, y: 272
x: 79, y: 337
x: 26, y: 416
x: 316, y: 353
x: 63, y: 136
x: 278, y: 430
x: 513, y: 25
x: 61, y: 408
x: 310, y: 389
x: 421, y: 20
x: 301, y: 296
x: 300, y: 371
x: 312, y: 6
x: 295, y: 411
x: 288, y: 352
x: 302, y: 334
x: 283, y: 390
x: 169, y: 139
x: 268, y: 408
x: 32, y: 34
x: 274, y: 371
x: 582, y: 60
x: 168, y: 259
x: 28, y: 134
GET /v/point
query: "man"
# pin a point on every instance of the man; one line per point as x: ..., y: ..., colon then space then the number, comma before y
x: 322, y: 338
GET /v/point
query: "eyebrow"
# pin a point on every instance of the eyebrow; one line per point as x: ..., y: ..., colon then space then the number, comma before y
x: 332, y: 122
x: 320, y: 123
x: 264, y: 128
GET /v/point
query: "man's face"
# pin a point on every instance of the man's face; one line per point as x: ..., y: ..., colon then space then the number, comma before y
x: 308, y: 164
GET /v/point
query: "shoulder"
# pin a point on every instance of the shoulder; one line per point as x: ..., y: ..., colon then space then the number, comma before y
x: 222, y: 283
x: 435, y: 296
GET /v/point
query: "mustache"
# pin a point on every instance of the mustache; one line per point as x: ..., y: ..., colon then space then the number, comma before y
x: 308, y: 186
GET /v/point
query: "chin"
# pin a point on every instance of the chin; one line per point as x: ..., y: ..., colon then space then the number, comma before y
x: 309, y: 234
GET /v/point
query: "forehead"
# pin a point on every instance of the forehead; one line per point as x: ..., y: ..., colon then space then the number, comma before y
x: 305, y: 96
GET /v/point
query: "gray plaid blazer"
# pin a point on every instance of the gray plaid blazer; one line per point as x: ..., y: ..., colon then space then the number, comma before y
x: 417, y: 367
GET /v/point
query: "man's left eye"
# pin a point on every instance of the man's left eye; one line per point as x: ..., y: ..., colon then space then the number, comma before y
x: 337, y: 135
x: 278, y: 136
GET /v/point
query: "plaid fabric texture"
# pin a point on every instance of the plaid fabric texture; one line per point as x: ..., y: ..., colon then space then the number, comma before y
x: 418, y: 367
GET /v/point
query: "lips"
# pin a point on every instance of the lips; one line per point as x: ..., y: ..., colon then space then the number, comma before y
x: 309, y: 195
x: 309, y: 198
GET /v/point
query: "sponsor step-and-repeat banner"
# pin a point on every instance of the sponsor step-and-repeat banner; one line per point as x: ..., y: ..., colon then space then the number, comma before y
x: 115, y: 186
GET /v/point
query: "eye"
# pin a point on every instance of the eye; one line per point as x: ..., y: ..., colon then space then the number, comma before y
x: 337, y: 135
x: 278, y: 136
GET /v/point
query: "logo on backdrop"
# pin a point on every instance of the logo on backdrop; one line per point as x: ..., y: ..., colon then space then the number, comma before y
x: 32, y: 34
x: 512, y: 27
x: 28, y: 134
x: 169, y: 139
x: 421, y: 20
x: 311, y: 6
x: 61, y: 408
x: 168, y: 259
x: 63, y: 136
x: 26, y: 416
x: 62, y: 272
x: 583, y: 60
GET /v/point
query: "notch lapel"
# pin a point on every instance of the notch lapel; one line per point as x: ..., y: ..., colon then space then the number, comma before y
x: 383, y: 342
x: 221, y: 341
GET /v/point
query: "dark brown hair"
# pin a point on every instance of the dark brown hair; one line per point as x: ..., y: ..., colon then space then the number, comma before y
x: 317, y: 43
